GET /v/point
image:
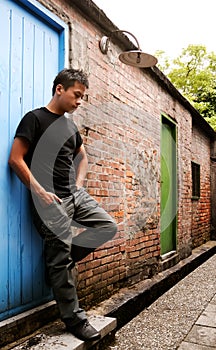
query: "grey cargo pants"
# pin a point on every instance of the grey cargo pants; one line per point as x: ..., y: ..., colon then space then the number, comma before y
x: 55, y: 224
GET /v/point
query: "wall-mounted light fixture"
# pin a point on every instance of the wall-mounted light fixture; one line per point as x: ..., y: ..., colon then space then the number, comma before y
x: 136, y: 58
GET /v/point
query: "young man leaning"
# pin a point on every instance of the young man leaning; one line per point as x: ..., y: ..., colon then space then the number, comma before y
x: 49, y: 157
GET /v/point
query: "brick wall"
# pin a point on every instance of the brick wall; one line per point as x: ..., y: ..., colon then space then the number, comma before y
x: 184, y: 142
x: 120, y: 121
x: 201, y: 208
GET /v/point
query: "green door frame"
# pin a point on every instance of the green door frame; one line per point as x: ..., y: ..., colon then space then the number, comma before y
x: 168, y: 216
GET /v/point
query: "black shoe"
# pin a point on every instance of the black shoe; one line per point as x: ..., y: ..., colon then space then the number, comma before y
x: 83, y: 331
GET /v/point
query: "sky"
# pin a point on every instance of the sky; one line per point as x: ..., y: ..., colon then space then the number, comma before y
x: 168, y: 25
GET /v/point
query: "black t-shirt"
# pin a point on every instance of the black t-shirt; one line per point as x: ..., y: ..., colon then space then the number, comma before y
x: 54, y: 140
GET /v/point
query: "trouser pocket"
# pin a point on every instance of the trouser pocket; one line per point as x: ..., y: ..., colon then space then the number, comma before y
x: 55, y: 223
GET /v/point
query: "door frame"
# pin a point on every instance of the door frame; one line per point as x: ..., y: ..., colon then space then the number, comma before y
x: 50, y: 18
x: 173, y: 124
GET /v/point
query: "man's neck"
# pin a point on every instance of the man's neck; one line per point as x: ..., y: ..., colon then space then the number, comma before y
x: 53, y: 108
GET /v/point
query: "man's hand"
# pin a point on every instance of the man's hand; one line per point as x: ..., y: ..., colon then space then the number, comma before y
x: 47, y: 198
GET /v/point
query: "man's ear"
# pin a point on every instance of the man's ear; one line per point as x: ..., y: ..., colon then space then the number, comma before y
x: 59, y: 89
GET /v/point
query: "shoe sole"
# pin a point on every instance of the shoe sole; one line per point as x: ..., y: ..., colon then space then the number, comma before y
x: 93, y: 338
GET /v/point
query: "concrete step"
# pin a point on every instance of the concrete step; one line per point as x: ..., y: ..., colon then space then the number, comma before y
x: 53, y: 336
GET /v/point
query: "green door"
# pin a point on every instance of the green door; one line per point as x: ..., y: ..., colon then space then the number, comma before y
x: 168, y: 186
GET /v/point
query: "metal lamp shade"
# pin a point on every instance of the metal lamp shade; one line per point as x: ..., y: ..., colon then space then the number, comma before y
x: 138, y: 58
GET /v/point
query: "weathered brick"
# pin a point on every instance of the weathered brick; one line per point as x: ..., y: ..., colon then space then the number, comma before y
x: 121, y: 128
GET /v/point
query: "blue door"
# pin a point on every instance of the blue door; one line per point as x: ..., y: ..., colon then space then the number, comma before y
x: 31, y: 54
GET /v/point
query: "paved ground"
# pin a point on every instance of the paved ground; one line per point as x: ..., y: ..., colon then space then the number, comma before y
x: 183, y: 318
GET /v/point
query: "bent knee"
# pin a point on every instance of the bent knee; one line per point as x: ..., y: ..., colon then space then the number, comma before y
x: 113, y: 228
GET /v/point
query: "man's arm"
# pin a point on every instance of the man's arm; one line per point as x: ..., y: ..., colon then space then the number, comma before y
x: 81, y: 165
x: 16, y: 161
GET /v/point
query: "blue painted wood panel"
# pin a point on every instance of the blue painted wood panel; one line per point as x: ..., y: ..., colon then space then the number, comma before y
x: 29, y: 60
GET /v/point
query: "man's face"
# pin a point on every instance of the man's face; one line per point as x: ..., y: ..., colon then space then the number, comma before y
x: 70, y: 99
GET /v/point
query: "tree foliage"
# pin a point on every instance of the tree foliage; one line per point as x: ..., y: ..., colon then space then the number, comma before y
x: 193, y: 73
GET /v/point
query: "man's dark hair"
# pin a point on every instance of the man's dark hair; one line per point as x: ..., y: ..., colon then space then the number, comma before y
x: 67, y: 78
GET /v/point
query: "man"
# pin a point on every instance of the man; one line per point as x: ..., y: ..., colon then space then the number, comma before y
x: 49, y: 157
